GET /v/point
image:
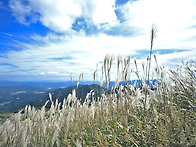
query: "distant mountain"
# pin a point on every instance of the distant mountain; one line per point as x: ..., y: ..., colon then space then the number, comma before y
x: 15, y: 95
x: 62, y: 93
x: 13, y: 98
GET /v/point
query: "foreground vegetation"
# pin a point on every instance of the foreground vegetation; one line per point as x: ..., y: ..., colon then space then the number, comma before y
x: 124, y: 116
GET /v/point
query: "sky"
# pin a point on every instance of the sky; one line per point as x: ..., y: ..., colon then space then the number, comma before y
x: 51, y: 39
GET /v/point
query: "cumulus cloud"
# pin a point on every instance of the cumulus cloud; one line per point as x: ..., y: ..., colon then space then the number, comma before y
x: 174, y: 19
x: 76, y: 52
x: 59, y: 15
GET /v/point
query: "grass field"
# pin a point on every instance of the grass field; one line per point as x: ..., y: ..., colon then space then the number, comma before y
x: 124, y: 116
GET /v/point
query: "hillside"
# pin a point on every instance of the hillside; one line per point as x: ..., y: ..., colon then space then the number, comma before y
x: 15, y: 95
x: 62, y: 93
x: 13, y: 98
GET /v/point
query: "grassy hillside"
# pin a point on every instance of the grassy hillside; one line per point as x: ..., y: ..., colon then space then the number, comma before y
x: 124, y: 116
x: 62, y: 93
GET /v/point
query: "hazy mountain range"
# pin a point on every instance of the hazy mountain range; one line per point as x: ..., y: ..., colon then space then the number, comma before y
x: 15, y: 95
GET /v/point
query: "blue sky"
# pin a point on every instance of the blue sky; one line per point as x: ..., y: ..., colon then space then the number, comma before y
x: 50, y: 39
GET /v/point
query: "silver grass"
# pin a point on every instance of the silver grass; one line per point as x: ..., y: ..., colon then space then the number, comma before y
x: 69, y: 99
x: 54, y: 137
x: 118, y: 112
x: 78, y: 143
x: 71, y: 77
x: 56, y: 104
x: 50, y: 96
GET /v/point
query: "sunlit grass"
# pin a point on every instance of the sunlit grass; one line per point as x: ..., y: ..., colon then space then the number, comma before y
x: 117, y: 117
x: 125, y: 115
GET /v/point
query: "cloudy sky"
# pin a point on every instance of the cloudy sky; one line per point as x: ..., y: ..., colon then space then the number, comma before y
x: 50, y: 39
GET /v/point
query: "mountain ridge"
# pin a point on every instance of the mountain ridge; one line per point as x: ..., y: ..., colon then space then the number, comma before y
x: 61, y: 93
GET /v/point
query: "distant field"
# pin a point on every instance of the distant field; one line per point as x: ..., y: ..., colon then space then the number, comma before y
x: 18, y: 92
x: 1, y: 104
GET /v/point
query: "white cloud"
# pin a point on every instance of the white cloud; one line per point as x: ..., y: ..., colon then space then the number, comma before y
x: 60, y: 55
x: 51, y: 73
x: 174, y: 19
x: 173, y: 59
x: 59, y: 15
x: 71, y: 54
x: 63, y: 55
x: 104, y: 12
x: 21, y: 12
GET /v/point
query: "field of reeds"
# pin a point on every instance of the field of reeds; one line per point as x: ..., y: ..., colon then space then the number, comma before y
x: 126, y: 115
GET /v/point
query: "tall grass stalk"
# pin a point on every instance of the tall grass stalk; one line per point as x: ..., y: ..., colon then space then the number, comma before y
x: 153, y: 36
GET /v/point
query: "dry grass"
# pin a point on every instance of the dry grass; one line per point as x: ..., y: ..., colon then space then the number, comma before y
x: 116, y: 118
